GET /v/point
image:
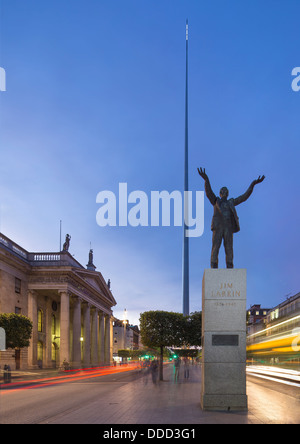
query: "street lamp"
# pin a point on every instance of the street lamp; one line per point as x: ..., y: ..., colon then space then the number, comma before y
x: 81, y: 347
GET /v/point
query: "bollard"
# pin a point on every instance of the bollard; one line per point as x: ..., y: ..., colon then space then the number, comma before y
x: 6, y: 374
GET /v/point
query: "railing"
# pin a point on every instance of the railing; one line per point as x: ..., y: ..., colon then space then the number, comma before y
x: 45, y: 259
x: 53, y: 259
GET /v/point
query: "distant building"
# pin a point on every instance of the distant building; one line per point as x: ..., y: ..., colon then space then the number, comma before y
x: 256, y: 313
x: 125, y: 336
x: 70, y: 307
x: 256, y: 318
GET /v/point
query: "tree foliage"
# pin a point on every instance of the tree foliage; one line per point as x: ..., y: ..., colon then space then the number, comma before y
x: 193, y: 329
x: 161, y: 328
x: 18, y: 329
x: 124, y: 353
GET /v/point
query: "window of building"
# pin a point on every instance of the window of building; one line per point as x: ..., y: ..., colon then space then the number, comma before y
x: 275, y: 314
x: 53, y: 325
x: 17, y: 285
x: 17, y: 310
x: 40, y: 320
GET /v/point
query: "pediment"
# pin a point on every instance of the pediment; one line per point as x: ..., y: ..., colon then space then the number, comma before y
x: 95, y: 280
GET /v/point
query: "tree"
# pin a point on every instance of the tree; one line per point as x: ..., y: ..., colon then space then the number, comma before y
x: 193, y: 329
x: 18, y: 329
x: 124, y: 353
x: 161, y: 329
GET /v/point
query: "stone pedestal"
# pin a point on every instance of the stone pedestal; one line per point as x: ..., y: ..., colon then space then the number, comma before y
x: 224, y: 340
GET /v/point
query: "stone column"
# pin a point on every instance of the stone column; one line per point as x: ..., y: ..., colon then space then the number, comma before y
x: 86, y: 335
x: 94, y: 337
x: 64, y: 352
x: 108, y: 340
x: 101, y: 338
x: 111, y: 341
x: 32, y: 314
x: 49, y: 339
x: 76, y: 361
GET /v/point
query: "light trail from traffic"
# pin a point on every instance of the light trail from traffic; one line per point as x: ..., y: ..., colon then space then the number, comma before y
x: 78, y: 376
x: 284, y: 376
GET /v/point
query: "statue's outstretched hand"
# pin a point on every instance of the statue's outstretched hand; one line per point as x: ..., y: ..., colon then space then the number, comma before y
x: 259, y: 180
x: 202, y: 173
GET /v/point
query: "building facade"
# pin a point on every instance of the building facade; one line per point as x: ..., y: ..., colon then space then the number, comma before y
x: 285, y: 310
x: 125, y: 336
x: 256, y: 318
x: 256, y: 313
x: 70, y: 307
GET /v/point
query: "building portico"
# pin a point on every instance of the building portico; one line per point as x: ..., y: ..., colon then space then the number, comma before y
x: 70, y: 307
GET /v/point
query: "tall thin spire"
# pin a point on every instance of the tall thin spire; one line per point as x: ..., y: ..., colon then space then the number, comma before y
x: 186, y: 308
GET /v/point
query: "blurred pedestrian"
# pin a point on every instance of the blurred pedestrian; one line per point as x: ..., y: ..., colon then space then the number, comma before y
x: 186, y: 368
x: 145, y: 372
x: 154, y: 370
x: 176, y: 369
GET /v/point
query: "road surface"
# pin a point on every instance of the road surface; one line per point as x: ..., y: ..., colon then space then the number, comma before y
x: 132, y: 398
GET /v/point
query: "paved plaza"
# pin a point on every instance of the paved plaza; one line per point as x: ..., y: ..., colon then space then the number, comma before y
x: 133, y: 398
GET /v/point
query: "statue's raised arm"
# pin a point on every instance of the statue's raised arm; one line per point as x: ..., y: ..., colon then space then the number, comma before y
x: 209, y: 192
x: 247, y: 194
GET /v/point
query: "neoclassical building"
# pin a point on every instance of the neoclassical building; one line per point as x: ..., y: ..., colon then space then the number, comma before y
x: 70, y: 307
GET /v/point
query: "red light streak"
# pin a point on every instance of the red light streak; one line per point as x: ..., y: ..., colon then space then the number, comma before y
x: 80, y: 375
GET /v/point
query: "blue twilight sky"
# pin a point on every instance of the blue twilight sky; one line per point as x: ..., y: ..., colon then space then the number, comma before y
x: 95, y: 97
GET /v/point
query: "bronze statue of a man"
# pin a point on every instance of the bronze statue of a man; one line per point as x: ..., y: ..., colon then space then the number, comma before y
x: 225, y: 220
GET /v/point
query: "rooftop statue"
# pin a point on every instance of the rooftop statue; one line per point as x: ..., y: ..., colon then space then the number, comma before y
x: 67, y: 243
